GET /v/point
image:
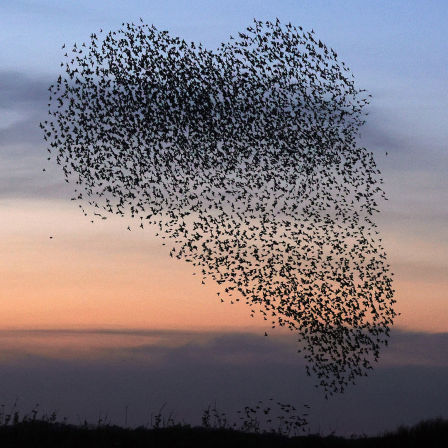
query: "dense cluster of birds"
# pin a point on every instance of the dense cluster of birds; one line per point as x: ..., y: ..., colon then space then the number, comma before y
x: 247, y: 159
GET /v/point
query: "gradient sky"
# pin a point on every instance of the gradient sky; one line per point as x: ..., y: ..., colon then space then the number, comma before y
x: 127, y: 299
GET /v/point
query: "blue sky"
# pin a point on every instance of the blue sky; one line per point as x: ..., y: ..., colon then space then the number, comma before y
x: 87, y: 278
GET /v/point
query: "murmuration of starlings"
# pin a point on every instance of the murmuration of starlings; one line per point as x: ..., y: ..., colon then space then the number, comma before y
x: 247, y: 159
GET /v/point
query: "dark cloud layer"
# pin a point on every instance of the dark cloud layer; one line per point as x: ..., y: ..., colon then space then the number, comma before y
x: 23, y: 154
x: 26, y: 101
x: 17, y: 88
x: 189, y: 371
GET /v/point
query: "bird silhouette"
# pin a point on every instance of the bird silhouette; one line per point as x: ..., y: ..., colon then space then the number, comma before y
x: 247, y: 159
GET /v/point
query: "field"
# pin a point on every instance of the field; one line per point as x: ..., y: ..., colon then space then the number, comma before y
x: 215, y: 432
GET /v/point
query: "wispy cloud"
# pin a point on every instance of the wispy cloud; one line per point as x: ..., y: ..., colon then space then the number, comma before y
x: 110, y: 345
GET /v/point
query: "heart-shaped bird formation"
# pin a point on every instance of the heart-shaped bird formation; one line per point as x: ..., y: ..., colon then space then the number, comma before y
x: 247, y: 158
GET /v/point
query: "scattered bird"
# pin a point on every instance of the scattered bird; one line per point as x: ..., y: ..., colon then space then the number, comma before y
x: 246, y: 158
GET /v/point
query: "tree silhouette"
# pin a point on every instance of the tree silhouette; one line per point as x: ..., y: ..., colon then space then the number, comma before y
x: 247, y: 159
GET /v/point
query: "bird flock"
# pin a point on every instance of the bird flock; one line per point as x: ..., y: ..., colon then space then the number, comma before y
x: 246, y: 158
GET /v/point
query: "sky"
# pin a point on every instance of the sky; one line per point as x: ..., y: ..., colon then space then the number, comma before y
x: 97, y: 318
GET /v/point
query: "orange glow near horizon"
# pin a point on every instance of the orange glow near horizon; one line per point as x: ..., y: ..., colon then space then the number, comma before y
x: 103, y: 276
